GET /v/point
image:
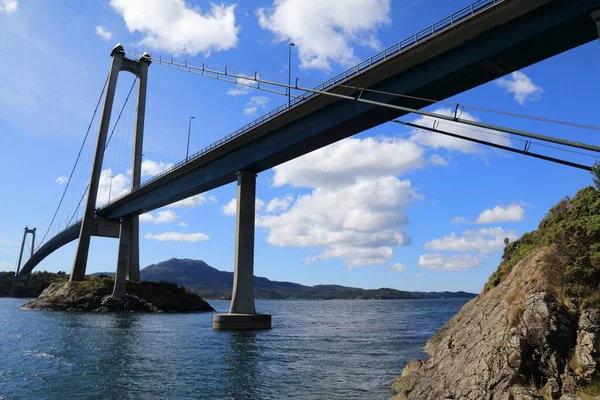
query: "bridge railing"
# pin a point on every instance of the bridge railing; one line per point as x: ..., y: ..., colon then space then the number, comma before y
x: 392, y: 51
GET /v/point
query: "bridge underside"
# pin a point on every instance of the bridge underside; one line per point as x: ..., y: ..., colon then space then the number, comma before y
x: 460, y: 59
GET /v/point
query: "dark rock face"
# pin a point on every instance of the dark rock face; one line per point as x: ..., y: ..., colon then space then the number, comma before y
x: 516, y: 341
x: 95, y: 296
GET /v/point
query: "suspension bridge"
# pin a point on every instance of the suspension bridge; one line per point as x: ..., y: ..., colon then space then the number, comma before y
x: 479, y: 43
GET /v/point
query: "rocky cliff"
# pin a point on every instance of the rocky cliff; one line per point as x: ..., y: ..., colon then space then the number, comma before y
x: 534, y: 331
x: 94, y: 294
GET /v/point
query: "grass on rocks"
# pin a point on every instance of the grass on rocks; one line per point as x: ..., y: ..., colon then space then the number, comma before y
x: 572, y: 230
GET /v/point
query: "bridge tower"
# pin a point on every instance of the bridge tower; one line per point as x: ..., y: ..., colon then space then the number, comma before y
x: 242, y: 312
x: 128, y: 260
x: 18, y: 269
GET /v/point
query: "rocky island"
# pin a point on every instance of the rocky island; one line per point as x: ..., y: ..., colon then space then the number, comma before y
x: 95, y: 295
x: 534, y: 331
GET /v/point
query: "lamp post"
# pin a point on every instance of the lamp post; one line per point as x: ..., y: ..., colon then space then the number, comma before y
x: 290, y: 45
x: 187, y: 150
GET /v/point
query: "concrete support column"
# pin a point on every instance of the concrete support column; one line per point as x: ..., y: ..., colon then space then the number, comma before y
x: 87, y: 223
x: 18, y: 269
x: 242, y: 312
x: 21, y: 254
x: 136, y: 170
x: 242, y: 298
x: 123, y: 258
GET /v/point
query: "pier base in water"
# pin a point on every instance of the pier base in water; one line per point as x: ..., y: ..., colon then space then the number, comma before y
x: 241, y: 321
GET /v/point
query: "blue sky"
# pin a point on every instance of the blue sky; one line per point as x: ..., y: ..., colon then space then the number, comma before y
x: 389, y: 207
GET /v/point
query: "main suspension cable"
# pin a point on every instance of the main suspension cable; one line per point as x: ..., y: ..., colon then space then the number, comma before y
x: 107, y: 143
x: 358, y: 98
x: 76, y: 162
x: 227, y: 73
x: 496, y: 145
x: 121, y: 112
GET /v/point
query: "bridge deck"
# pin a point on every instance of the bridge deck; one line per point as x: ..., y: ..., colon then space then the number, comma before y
x: 503, y: 38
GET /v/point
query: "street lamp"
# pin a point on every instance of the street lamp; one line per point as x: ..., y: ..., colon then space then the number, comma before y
x: 187, y: 151
x: 290, y: 45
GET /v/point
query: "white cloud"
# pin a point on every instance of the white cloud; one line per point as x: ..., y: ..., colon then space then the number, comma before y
x: 178, y: 28
x: 103, y: 33
x: 324, y: 31
x: 437, y: 140
x: 230, y: 209
x: 438, y: 160
x: 279, y: 204
x: 177, y: 237
x: 484, y: 241
x: 242, y: 87
x: 457, y: 262
x: 182, y: 224
x: 250, y: 110
x: 193, y: 201
x: 9, y: 6
x: 359, y: 222
x: 459, y: 220
x: 356, y: 256
x: 61, y: 180
x: 521, y: 86
x: 151, y: 168
x: 161, y: 217
x: 340, y: 163
x: 511, y: 213
x: 238, y: 91
x: 256, y: 103
x: 398, y: 267
x: 470, y: 249
x: 111, y: 186
x: 355, y: 210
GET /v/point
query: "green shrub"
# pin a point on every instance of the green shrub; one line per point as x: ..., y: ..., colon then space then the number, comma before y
x: 572, y: 227
x: 596, y: 174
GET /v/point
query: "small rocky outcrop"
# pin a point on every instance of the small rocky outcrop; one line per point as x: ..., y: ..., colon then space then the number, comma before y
x: 534, y: 331
x: 95, y: 295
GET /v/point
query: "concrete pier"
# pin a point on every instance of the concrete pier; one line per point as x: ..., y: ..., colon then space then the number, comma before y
x: 123, y: 259
x: 242, y: 312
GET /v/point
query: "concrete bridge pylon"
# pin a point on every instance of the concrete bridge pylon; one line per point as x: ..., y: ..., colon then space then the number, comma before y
x: 242, y: 311
x: 128, y: 261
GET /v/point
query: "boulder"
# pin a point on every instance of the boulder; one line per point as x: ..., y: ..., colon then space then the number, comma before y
x: 95, y: 295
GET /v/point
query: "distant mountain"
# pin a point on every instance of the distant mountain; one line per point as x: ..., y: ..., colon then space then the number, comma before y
x: 211, y: 283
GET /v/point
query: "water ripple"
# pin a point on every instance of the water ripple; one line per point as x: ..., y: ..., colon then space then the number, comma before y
x: 316, y: 350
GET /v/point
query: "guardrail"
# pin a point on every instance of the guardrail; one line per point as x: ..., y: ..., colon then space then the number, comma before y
x: 441, y: 26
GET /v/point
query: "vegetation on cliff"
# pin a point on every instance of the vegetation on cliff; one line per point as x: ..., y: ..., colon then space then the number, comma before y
x: 572, y: 228
x: 28, y: 287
